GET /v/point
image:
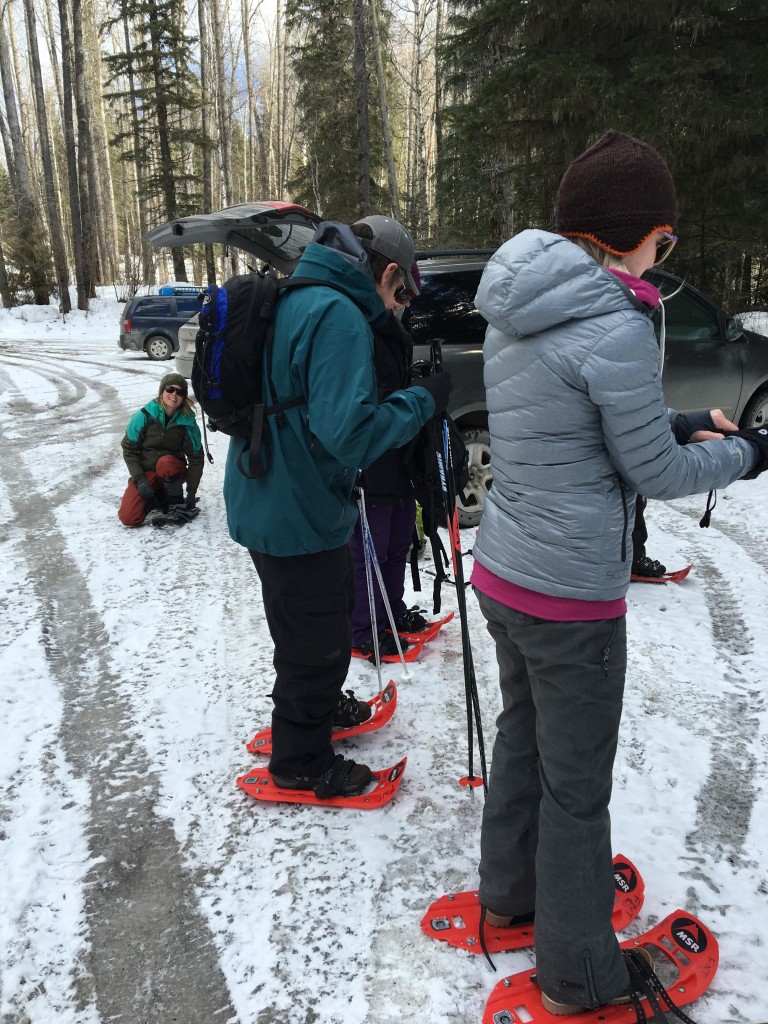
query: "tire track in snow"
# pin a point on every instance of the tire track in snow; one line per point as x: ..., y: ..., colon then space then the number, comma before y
x: 727, y: 797
x: 152, y: 956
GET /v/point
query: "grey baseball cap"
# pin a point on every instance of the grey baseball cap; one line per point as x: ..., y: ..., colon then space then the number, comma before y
x: 392, y: 241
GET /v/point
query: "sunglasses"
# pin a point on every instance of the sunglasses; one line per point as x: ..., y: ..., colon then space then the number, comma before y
x: 403, y: 295
x: 173, y: 390
x: 665, y: 247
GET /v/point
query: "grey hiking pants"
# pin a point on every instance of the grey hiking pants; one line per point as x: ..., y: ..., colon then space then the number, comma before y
x: 546, y: 835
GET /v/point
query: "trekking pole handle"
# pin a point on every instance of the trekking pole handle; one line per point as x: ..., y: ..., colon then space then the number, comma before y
x: 436, y: 354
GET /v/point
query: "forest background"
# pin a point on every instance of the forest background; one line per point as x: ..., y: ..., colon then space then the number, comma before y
x: 458, y: 117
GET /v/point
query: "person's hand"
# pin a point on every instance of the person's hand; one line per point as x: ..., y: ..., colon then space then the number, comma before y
x: 758, y: 436
x: 191, y: 500
x: 144, y: 487
x: 439, y: 385
x: 720, y: 422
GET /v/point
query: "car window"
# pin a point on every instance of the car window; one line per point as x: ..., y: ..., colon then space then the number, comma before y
x: 688, y: 319
x: 445, y: 309
x: 188, y: 306
x: 153, y: 306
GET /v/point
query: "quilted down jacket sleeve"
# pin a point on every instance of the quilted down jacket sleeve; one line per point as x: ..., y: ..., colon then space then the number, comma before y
x: 621, y: 374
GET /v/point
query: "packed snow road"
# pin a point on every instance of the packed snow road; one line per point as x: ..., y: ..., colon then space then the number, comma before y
x: 139, y: 885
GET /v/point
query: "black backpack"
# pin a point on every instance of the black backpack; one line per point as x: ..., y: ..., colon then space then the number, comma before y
x: 424, y: 462
x: 232, y: 344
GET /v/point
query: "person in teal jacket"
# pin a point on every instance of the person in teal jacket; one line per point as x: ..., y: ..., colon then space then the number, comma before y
x: 296, y: 520
x: 162, y: 449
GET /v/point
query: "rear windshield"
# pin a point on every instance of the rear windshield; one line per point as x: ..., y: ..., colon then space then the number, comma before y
x: 446, y: 309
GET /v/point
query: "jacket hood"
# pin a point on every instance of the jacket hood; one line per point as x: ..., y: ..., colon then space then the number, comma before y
x: 328, y: 264
x: 538, y: 280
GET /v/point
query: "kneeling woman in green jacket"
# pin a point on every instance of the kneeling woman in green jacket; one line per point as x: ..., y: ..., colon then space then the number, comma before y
x: 162, y: 449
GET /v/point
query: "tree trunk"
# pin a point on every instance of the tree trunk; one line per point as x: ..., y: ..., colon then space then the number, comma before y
x: 164, y: 145
x: 438, y: 154
x: 147, y: 261
x: 105, y: 194
x: 207, y: 107
x: 23, y: 196
x: 5, y: 288
x: 84, y: 168
x: 394, y: 197
x: 421, y: 211
x: 58, y: 244
x: 75, y: 211
x: 361, y: 104
x: 224, y: 119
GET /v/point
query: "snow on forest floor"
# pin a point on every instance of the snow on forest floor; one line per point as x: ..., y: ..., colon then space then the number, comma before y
x: 135, y: 664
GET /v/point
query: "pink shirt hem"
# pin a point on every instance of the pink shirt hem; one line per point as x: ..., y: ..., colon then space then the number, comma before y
x: 544, y: 606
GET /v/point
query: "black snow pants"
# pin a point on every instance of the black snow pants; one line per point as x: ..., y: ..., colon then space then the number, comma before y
x: 308, y: 601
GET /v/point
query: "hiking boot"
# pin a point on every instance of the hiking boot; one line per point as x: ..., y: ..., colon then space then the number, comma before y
x: 411, y: 621
x: 343, y: 778
x: 564, y: 1009
x: 648, y: 567
x: 507, y: 920
x: 387, y: 646
x: 351, y: 711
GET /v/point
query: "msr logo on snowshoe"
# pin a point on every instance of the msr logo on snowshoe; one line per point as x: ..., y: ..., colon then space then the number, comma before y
x: 689, y: 935
x: 624, y: 877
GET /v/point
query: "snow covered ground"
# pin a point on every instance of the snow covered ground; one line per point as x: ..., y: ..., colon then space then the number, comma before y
x: 140, y: 885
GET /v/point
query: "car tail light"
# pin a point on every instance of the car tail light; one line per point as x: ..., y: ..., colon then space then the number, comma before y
x: 127, y: 325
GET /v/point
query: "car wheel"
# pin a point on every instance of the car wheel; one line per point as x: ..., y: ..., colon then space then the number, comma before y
x: 158, y: 347
x: 756, y: 412
x: 471, y: 500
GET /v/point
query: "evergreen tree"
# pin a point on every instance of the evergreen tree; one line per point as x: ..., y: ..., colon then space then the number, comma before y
x: 531, y: 83
x: 328, y: 178
x: 163, y: 96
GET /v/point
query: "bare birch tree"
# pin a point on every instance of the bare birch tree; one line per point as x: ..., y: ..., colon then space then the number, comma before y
x: 55, y: 228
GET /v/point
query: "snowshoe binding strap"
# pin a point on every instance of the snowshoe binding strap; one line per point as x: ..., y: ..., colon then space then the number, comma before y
x: 644, y: 983
x: 334, y: 781
x: 483, y: 945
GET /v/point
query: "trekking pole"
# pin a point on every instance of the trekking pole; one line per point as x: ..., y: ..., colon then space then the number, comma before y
x: 474, y: 721
x: 372, y: 568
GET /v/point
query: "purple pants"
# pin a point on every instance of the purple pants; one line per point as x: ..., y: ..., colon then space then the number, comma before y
x: 392, y: 529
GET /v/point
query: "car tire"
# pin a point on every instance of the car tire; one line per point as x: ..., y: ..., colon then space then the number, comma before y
x: 756, y: 412
x: 157, y: 347
x: 471, y: 500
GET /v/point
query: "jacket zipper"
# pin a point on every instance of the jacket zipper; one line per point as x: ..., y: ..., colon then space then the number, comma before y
x: 626, y: 520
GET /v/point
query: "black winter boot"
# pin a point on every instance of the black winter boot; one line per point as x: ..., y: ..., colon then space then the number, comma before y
x: 351, y: 711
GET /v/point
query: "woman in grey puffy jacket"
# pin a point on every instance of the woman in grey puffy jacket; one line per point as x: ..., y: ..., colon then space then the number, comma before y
x: 578, y: 427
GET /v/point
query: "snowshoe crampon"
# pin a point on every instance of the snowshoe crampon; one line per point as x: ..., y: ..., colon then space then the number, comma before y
x: 455, y: 919
x: 686, y: 958
x: 382, y: 706
x: 261, y: 786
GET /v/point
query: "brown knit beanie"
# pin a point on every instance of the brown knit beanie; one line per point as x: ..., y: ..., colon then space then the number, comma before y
x: 174, y: 378
x: 617, y: 193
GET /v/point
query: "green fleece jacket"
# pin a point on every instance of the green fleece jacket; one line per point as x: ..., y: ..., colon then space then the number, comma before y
x: 151, y: 434
x: 323, y: 351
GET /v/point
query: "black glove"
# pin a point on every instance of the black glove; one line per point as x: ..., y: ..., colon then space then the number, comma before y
x: 191, y: 500
x: 439, y: 385
x: 144, y: 487
x: 758, y: 436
